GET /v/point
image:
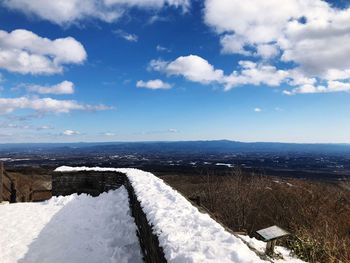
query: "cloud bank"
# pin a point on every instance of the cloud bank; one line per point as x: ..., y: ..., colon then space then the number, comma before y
x: 70, y: 132
x: 46, y: 105
x: 24, y: 52
x: 65, y: 87
x: 67, y: 12
x: 309, y: 38
x: 196, y: 69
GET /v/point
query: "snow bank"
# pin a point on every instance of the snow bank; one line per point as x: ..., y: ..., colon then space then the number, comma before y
x: 185, y: 234
x: 70, y: 229
x: 260, y: 246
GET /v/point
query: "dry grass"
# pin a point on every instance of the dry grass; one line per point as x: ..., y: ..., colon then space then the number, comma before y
x: 316, y: 213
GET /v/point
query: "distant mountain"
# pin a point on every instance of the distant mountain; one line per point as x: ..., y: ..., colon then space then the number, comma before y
x: 185, y: 147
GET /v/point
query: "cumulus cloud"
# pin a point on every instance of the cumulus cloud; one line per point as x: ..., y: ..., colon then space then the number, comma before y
x: 46, y: 105
x: 332, y: 86
x: 191, y: 67
x: 24, y: 52
x: 197, y: 69
x: 153, y: 84
x: 267, y: 51
x: 252, y: 23
x: 65, y: 87
x: 258, y: 110
x: 127, y: 36
x: 311, y: 35
x: 70, y: 132
x: 65, y: 12
x: 255, y: 74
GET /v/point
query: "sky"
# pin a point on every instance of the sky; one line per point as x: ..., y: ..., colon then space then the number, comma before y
x: 167, y: 70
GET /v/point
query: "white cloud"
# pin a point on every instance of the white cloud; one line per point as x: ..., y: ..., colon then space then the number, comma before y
x: 46, y: 105
x: 169, y: 131
x: 173, y: 130
x: 157, y: 65
x: 332, y: 86
x: 267, y: 51
x: 311, y: 35
x: 66, y: 12
x: 233, y: 44
x: 13, y: 126
x: 44, y: 127
x: 255, y: 74
x: 153, y: 84
x: 65, y: 87
x: 278, y: 109
x: 258, y: 110
x: 109, y: 134
x: 248, y: 23
x: 70, y: 132
x: 158, y: 18
x: 162, y: 49
x: 197, y: 69
x: 149, y: 3
x: 320, y: 46
x: 20, y: 126
x: 24, y: 52
x: 191, y: 67
x: 127, y: 36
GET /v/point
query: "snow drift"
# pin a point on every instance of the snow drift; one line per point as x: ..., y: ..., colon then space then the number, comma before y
x: 185, y: 234
x: 86, y: 229
x: 70, y: 229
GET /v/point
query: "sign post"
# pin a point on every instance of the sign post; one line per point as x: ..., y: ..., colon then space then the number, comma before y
x: 270, y: 235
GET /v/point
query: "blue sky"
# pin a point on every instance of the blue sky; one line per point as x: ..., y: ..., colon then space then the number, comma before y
x: 116, y: 70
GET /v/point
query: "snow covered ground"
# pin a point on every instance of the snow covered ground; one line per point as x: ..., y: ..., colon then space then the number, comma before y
x: 185, y: 234
x: 260, y: 246
x: 71, y: 229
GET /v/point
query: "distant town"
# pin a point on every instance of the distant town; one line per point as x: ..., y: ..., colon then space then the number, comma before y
x: 286, y: 160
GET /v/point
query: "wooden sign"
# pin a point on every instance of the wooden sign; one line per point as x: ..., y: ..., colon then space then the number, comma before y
x: 272, y: 233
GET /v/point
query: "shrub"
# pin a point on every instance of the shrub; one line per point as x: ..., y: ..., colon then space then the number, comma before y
x: 316, y: 213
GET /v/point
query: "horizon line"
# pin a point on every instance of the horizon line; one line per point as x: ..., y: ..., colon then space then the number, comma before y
x: 175, y: 141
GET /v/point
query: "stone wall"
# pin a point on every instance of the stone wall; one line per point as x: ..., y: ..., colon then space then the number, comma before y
x: 149, y: 243
x: 94, y: 183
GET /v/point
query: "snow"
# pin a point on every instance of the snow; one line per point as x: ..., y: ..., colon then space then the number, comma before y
x: 185, y: 234
x: 5, y: 159
x: 71, y: 229
x: 230, y: 165
x: 86, y: 229
x: 284, y: 252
